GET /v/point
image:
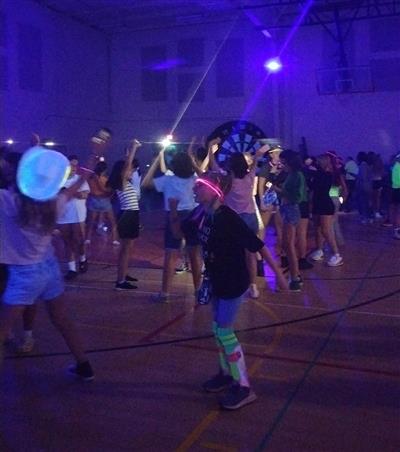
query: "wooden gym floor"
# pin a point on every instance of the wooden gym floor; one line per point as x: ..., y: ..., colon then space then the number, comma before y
x: 324, y: 363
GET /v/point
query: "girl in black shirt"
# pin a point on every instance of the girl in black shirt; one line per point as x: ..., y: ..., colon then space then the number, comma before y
x: 225, y: 238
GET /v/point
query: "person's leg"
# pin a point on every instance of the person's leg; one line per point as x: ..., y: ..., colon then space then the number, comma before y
x: 279, y: 231
x: 289, y: 240
x: 67, y: 236
x: 92, y: 216
x: 8, y: 316
x: 336, y: 225
x: 28, y: 317
x: 196, y: 263
x: 79, y: 243
x: 251, y: 263
x: 109, y: 215
x: 301, y: 234
x: 123, y: 259
x: 56, y: 309
x: 168, y: 270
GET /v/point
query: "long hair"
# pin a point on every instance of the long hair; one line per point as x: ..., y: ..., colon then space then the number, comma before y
x: 37, y: 214
x: 115, y: 179
x: 237, y: 164
x: 324, y: 162
x: 292, y: 158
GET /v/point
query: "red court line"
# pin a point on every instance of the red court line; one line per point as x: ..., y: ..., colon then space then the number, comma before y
x: 166, y: 325
x: 301, y: 361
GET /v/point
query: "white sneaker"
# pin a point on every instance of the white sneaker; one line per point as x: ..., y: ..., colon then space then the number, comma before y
x: 116, y: 243
x: 317, y: 255
x: 27, y: 345
x: 335, y: 260
x: 87, y: 242
x: 253, y: 291
x: 378, y: 216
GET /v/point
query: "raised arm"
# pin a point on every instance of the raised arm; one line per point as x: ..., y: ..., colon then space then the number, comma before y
x: 130, y: 155
x: 213, y: 147
x: 147, y: 181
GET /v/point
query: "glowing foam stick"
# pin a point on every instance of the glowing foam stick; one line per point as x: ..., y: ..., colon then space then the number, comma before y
x: 212, y: 186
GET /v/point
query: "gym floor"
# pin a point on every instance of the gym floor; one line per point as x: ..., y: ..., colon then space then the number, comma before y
x: 324, y: 362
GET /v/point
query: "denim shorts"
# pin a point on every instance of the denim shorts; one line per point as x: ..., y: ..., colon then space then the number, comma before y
x: 251, y: 220
x: 190, y: 233
x: 290, y: 213
x: 98, y: 204
x: 28, y: 283
x: 225, y: 310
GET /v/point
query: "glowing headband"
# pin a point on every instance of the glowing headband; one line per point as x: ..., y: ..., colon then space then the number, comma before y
x: 212, y: 186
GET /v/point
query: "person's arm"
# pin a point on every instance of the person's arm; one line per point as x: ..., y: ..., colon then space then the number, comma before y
x: 213, y: 147
x: 148, y: 179
x: 258, y: 155
x: 131, y: 152
x: 163, y: 165
x: 344, y: 191
x: 197, y: 168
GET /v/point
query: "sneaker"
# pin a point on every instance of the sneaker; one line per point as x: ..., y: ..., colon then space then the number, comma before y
x: 218, y: 383
x: 82, y: 370
x: 317, y: 255
x: 378, y: 216
x: 116, y: 243
x: 237, y: 396
x: 70, y: 275
x: 183, y: 267
x: 304, y: 264
x: 87, y: 242
x: 253, y: 291
x: 335, y: 260
x: 124, y: 286
x: 284, y: 262
x: 27, y: 345
x: 295, y: 286
x: 396, y: 234
x: 130, y: 278
x: 387, y: 224
x: 83, y: 266
x: 160, y: 298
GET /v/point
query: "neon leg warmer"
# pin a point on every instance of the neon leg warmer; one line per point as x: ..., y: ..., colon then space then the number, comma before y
x: 234, y: 355
x: 223, y: 364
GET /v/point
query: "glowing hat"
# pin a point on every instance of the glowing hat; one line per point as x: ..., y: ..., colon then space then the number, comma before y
x: 41, y: 173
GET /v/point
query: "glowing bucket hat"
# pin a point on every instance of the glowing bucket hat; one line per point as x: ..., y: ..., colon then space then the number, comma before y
x: 41, y: 173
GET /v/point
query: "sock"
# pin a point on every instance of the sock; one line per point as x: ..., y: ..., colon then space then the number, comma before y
x: 82, y: 258
x: 233, y: 355
x: 72, y: 266
x: 223, y: 365
x: 28, y: 334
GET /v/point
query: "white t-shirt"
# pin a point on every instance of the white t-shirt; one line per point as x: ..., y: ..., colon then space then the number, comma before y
x: 175, y: 187
x: 75, y: 209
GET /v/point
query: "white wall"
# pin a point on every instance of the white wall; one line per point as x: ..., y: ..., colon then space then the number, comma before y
x: 74, y: 98
x: 150, y: 120
x: 348, y: 123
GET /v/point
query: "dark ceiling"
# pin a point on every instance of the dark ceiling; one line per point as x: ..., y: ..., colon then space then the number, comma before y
x: 116, y: 16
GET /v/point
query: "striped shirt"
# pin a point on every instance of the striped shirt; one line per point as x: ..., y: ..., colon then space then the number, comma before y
x: 128, y: 198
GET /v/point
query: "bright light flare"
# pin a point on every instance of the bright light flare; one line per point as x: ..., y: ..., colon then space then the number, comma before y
x: 10, y: 141
x: 49, y: 143
x: 273, y: 65
x: 165, y: 142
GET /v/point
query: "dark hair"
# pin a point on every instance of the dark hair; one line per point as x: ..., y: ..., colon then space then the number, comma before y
x: 73, y: 157
x: 100, y: 168
x: 115, y: 178
x: 182, y: 166
x: 292, y: 159
x: 37, y: 214
x: 361, y: 157
x: 223, y: 181
x: 237, y: 165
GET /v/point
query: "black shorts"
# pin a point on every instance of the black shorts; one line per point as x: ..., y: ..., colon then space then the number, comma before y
x: 128, y: 224
x: 395, y: 195
x: 325, y: 207
x: 304, y: 210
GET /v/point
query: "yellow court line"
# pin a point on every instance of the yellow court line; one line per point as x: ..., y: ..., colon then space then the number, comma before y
x: 197, y: 432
